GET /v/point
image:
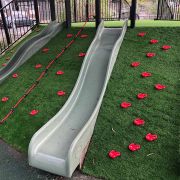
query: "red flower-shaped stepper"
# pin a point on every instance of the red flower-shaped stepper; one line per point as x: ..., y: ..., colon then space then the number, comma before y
x: 150, y: 55
x: 69, y: 35
x: 38, y: 66
x: 114, y: 154
x: 4, y: 99
x: 45, y: 50
x: 151, y: 137
x: 146, y: 74
x: 34, y: 112
x: 82, y: 54
x: 125, y: 104
x: 160, y: 86
x: 61, y: 93
x: 15, y: 75
x: 166, y: 47
x: 142, y: 95
x: 59, y: 72
x: 141, y: 34
x: 84, y: 36
x: 135, y: 64
x: 134, y: 147
x: 139, y: 122
x: 153, y: 41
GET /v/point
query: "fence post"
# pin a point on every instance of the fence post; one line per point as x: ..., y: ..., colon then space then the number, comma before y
x: 16, y: 5
x: 87, y: 10
x: 68, y: 13
x: 98, y: 12
x: 36, y: 11
x: 120, y: 7
x: 75, y: 16
x: 158, y: 10
x: 53, y: 10
x: 5, y: 25
x: 133, y: 13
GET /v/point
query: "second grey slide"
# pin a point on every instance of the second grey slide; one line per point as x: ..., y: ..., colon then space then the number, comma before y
x: 29, y: 48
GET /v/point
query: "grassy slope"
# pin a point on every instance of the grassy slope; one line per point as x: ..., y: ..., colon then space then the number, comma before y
x: 159, y: 110
x: 20, y: 127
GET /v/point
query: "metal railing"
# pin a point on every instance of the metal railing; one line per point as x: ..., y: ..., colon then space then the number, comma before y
x: 44, y: 9
x: 147, y: 17
x: 168, y: 10
x: 60, y: 10
x: 110, y: 10
x: 19, y: 16
x: 15, y: 21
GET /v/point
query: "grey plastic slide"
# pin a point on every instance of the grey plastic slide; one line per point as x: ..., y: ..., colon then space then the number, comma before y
x: 60, y: 145
x: 29, y: 48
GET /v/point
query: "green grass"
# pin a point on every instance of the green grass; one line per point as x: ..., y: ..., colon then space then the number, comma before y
x: 20, y: 127
x: 155, y: 160
x: 139, y: 23
x: 12, y: 49
x: 159, y: 110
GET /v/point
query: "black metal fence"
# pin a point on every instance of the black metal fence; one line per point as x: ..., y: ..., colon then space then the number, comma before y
x: 81, y: 10
x: 16, y: 19
x: 168, y: 10
x: 44, y: 10
x: 110, y: 10
x: 19, y: 17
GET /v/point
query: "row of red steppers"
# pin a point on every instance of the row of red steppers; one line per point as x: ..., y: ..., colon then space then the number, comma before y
x: 138, y: 121
x: 37, y: 66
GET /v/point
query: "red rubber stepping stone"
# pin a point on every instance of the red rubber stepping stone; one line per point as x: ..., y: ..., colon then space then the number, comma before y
x: 134, y: 147
x: 82, y: 54
x: 154, y: 41
x: 60, y: 72
x: 142, y: 95
x: 125, y: 104
x: 166, y: 47
x: 4, y: 99
x: 69, y: 35
x: 84, y: 36
x: 45, y: 50
x: 146, y: 74
x: 4, y: 64
x: 38, y: 66
x: 15, y: 75
x: 151, y: 137
x: 150, y: 55
x: 114, y: 154
x: 141, y: 34
x: 135, y: 64
x: 61, y: 93
x: 160, y: 86
x: 34, y: 112
x: 139, y: 122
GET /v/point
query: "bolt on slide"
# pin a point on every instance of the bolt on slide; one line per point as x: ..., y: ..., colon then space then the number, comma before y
x: 61, y: 144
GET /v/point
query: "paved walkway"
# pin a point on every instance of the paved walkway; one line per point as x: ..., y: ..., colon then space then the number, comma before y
x: 14, y: 166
